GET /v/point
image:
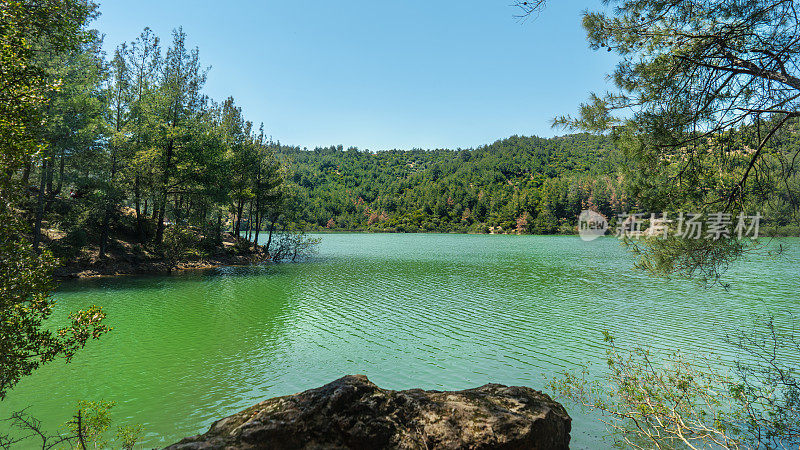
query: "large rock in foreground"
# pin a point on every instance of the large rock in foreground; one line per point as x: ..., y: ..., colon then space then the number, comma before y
x: 352, y: 412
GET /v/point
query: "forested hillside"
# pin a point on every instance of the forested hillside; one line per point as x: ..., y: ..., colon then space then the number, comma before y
x: 519, y: 184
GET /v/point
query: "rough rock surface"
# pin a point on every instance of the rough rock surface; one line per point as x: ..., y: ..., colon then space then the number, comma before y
x: 352, y: 412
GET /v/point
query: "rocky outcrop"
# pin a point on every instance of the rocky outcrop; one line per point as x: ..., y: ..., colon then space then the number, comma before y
x: 352, y: 412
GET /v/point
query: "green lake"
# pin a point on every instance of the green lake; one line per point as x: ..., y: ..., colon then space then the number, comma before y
x: 408, y: 310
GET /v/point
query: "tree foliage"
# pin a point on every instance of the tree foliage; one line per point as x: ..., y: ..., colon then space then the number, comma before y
x: 25, y: 304
x: 707, y: 92
x: 29, y: 29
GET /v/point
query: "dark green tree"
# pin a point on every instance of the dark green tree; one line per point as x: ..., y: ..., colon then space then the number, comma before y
x: 179, y: 100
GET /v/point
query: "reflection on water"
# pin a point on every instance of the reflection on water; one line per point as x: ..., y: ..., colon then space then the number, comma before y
x: 430, y: 311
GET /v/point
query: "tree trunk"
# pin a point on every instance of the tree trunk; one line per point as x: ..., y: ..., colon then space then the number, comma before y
x: 137, y: 202
x: 164, y: 186
x: 37, y: 226
x: 51, y: 193
x: 271, y: 229
x: 154, y: 211
x: 162, y: 210
x: 239, y: 208
x: 249, y: 221
x: 219, y: 229
x: 26, y: 172
x: 178, y: 211
x: 60, y: 173
x: 109, y: 206
x: 50, y: 177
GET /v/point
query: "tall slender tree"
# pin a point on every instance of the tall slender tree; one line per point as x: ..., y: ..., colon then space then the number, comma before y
x: 182, y: 79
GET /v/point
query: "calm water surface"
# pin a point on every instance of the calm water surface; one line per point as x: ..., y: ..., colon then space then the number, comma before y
x: 415, y: 310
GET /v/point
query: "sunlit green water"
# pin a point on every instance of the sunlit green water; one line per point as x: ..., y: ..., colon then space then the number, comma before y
x: 430, y: 311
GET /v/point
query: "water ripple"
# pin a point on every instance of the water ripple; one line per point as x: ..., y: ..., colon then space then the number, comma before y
x: 430, y: 311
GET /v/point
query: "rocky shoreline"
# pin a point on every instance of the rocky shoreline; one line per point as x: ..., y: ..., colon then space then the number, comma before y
x: 354, y: 413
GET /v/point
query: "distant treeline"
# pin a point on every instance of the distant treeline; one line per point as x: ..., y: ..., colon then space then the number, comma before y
x: 515, y: 185
x: 519, y: 184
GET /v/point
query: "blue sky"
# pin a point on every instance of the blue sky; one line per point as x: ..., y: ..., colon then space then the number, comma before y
x: 386, y: 74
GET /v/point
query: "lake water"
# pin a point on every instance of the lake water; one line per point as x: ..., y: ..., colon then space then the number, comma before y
x: 408, y: 310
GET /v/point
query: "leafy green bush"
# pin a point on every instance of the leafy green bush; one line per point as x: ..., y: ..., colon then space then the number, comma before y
x: 69, y: 247
x: 178, y: 242
x: 567, y: 229
x: 785, y: 230
x: 243, y: 246
x: 128, y: 435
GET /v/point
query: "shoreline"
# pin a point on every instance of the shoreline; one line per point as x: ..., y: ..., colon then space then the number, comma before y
x: 103, y: 269
x: 764, y: 234
x: 120, y: 267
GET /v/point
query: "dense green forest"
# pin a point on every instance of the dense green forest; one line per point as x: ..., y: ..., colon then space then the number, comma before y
x: 519, y: 184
